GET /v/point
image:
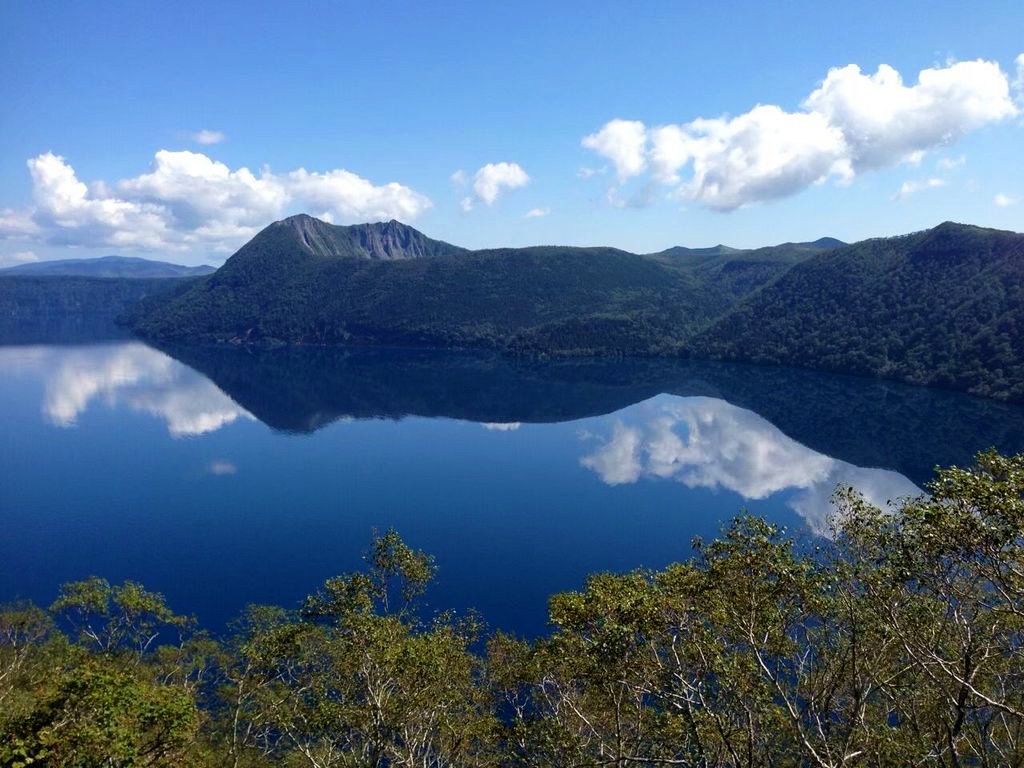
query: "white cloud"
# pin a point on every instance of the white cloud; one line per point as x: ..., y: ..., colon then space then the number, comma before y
x: 351, y: 197
x: 459, y: 178
x: 505, y: 426
x: 1018, y: 82
x: 1004, y: 201
x: 466, y: 204
x: 17, y: 224
x: 624, y: 142
x: 491, y: 179
x: 208, y: 137
x: 851, y: 123
x: 14, y: 259
x: 536, y: 213
x: 222, y: 467
x: 189, y: 200
x: 952, y: 163
x: 709, y: 443
x: 909, y: 188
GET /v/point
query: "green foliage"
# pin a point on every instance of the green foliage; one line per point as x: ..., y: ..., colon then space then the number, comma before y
x: 112, y: 618
x: 305, y: 282
x: 940, y: 308
x: 57, y: 297
x: 900, y: 641
x: 99, y: 713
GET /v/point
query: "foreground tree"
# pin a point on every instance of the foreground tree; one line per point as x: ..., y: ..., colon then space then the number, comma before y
x: 357, y: 679
x: 899, y: 641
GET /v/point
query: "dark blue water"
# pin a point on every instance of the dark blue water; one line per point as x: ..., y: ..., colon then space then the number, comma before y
x: 224, y: 477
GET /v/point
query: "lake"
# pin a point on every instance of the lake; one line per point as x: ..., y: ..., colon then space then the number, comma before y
x: 222, y: 477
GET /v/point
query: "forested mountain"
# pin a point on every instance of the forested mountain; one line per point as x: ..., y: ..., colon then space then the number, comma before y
x: 944, y: 307
x: 37, y: 308
x: 108, y: 266
x: 304, y: 281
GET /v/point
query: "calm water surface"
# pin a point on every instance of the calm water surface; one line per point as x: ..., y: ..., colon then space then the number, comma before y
x: 224, y: 477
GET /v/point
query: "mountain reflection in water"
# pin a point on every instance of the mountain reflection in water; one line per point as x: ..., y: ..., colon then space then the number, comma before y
x: 861, y: 421
x: 215, y: 475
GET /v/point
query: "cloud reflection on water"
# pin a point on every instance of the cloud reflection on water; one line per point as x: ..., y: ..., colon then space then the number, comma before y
x: 709, y: 443
x: 128, y: 374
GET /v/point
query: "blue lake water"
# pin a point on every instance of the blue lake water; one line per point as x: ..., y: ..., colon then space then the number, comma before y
x: 225, y: 477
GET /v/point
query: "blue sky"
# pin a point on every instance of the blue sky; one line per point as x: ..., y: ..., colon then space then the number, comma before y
x: 363, y: 96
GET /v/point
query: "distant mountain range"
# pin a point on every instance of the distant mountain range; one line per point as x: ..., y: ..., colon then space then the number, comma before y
x: 944, y: 307
x: 108, y: 266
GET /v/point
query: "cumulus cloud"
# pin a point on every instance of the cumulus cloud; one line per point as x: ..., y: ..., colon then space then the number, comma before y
x: 624, y: 143
x: 536, y: 213
x: 908, y: 188
x: 1004, y: 201
x: 491, y: 179
x: 709, y: 443
x: 351, y: 197
x: 189, y: 200
x: 20, y: 257
x: 17, y: 224
x: 851, y: 123
x: 208, y: 137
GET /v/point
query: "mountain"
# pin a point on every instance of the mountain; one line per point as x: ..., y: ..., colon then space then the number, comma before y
x: 943, y: 307
x: 66, y: 308
x: 729, y: 274
x: 108, y: 266
x: 304, y: 281
x: 386, y: 241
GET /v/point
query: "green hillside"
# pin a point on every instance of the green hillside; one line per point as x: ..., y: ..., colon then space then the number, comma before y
x: 944, y: 307
x: 305, y: 281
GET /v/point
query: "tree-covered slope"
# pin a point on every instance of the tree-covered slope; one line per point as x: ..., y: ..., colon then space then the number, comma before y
x: 569, y: 300
x: 944, y: 307
x: 48, y: 308
x: 24, y: 297
x: 304, y: 281
x: 107, y: 266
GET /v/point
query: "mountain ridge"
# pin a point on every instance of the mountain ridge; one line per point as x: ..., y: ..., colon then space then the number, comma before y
x: 385, y: 241
x: 302, y: 280
x: 108, y: 267
x: 942, y: 307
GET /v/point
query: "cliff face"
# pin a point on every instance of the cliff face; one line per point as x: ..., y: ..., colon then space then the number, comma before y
x: 380, y: 241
